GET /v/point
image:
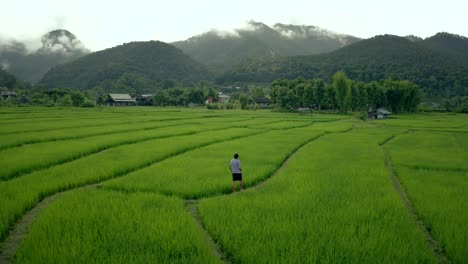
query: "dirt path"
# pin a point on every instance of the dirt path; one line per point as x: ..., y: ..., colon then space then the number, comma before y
x: 192, y: 208
x: 20, y: 230
x: 431, y: 242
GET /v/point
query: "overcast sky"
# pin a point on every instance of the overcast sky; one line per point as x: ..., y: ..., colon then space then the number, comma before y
x: 101, y: 24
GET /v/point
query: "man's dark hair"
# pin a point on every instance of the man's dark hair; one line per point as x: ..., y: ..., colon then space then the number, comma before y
x: 236, y: 156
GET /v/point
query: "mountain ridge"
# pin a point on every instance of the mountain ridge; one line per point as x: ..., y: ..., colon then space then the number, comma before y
x: 383, y: 56
x: 133, y: 67
x: 222, y: 49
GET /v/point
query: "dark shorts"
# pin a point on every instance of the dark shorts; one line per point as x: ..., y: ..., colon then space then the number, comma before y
x: 237, y: 177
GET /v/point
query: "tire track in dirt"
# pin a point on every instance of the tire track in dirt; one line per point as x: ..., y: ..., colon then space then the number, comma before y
x: 430, y: 241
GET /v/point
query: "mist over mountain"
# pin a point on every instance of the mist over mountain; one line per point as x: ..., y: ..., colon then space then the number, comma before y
x: 6, y: 79
x: 434, y: 67
x: 134, y: 67
x: 222, y: 49
x: 58, y: 46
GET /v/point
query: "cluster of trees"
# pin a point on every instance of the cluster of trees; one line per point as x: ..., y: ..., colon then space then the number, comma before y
x: 53, y: 97
x: 345, y: 94
x: 456, y: 104
x: 184, y: 96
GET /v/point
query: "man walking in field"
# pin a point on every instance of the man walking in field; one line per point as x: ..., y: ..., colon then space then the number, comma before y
x: 236, y: 171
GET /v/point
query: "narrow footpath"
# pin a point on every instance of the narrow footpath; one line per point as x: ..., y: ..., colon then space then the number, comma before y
x: 431, y: 242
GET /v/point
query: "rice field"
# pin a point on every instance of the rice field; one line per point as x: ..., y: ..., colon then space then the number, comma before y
x: 151, y: 185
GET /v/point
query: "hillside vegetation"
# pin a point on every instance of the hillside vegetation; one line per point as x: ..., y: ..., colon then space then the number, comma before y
x: 438, y: 73
x: 132, y: 67
x: 220, y: 50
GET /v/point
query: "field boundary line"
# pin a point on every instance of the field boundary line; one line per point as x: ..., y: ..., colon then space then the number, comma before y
x: 30, y: 142
x: 284, y: 163
x: 19, y: 232
x: 97, y: 126
x: 430, y: 241
x: 191, y: 206
x: 96, y: 151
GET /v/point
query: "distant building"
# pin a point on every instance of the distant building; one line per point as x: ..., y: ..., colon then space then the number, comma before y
x: 209, y: 100
x: 144, y: 99
x: 379, y: 113
x: 222, y: 98
x: 262, y: 101
x: 120, y: 100
x: 6, y: 95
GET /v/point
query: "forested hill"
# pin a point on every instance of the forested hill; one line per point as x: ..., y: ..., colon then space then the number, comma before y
x: 132, y: 67
x: 220, y: 50
x: 452, y: 44
x: 437, y: 72
x: 57, y: 46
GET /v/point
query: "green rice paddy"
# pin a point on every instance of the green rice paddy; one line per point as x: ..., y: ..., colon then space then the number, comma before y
x: 317, y: 187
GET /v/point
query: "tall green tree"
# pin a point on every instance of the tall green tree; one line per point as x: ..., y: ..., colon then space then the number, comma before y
x: 341, y: 87
x: 161, y: 98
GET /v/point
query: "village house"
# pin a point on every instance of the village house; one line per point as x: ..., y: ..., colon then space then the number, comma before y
x: 120, y: 100
x: 144, y: 99
x: 380, y: 113
x: 222, y: 98
x: 262, y: 102
x: 6, y: 95
x: 209, y: 100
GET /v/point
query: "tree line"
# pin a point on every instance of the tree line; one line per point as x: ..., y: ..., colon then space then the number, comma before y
x: 343, y: 94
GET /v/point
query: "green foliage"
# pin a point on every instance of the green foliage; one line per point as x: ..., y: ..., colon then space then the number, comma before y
x: 342, y: 91
x: 221, y: 106
x: 398, y: 96
x: 244, y: 101
x: 456, y: 104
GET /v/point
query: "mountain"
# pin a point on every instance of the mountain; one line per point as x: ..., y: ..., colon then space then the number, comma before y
x: 220, y: 50
x: 438, y: 73
x: 447, y: 43
x: 58, y: 46
x: 132, y: 67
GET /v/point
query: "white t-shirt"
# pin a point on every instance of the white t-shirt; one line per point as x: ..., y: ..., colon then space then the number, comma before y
x: 235, y: 166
